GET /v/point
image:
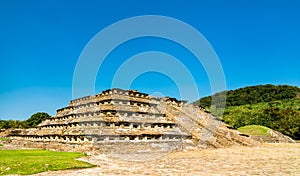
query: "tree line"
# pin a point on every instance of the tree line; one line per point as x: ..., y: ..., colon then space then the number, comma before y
x: 252, y: 95
x: 31, y: 122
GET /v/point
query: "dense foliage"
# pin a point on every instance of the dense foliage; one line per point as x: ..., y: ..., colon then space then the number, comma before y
x: 276, y: 107
x: 281, y: 115
x: 252, y: 95
x: 33, y: 121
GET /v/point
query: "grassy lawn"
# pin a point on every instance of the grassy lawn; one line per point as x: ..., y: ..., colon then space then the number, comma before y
x: 254, y: 130
x: 4, y: 139
x: 35, y: 161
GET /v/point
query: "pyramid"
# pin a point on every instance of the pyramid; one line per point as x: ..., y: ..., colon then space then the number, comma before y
x: 129, y: 121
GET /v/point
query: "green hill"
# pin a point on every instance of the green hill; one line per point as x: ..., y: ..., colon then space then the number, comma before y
x: 254, y: 130
x: 253, y: 95
x: 276, y: 107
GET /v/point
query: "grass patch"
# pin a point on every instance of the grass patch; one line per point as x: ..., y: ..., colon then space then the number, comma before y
x: 1, y: 145
x: 35, y: 161
x: 4, y: 139
x: 254, y: 130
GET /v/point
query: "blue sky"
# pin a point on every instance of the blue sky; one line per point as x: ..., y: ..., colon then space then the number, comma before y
x: 257, y: 42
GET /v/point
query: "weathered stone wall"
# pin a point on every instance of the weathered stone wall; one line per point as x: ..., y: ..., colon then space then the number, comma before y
x: 120, y: 147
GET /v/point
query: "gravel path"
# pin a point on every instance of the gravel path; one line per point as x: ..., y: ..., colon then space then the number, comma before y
x: 267, y: 159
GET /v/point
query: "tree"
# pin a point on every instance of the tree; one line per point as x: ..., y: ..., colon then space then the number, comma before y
x: 3, y: 124
x: 286, y: 121
x: 36, y: 119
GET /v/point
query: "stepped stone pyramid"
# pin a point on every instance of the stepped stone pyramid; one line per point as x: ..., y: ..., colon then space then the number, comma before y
x: 128, y: 121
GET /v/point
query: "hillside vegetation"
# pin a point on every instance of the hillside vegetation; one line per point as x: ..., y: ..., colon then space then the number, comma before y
x: 253, y: 95
x: 276, y: 107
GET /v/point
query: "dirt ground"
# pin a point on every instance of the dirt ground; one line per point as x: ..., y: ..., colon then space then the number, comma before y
x: 266, y: 159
